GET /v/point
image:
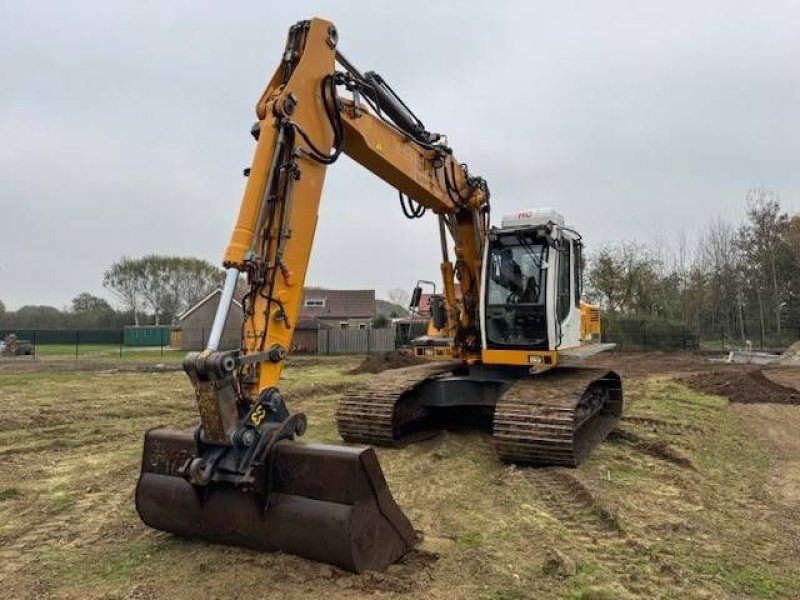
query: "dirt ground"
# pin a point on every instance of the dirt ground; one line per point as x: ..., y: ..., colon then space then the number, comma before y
x: 377, y: 363
x: 691, y: 497
x: 746, y: 387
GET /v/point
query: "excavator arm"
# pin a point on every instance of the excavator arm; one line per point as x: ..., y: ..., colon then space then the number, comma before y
x: 304, y: 126
x: 240, y: 478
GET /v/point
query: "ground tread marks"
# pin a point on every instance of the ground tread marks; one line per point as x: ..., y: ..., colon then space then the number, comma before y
x: 568, y: 500
x: 26, y: 547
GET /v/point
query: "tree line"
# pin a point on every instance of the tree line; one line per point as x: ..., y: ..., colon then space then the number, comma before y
x: 740, y: 281
x: 152, y: 290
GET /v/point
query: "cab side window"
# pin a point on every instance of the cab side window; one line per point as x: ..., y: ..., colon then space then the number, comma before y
x: 564, y: 297
x: 577, y: 253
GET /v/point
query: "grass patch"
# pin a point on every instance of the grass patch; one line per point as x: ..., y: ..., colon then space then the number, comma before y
x: 594, y: 593
x: 25, y: 379
x: 63, y: 500
x: 9, y: 494
x: 473, y: 538
x: 751, y: 581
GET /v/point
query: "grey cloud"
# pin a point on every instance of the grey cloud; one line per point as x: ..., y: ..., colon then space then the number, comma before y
x: 125, y: 125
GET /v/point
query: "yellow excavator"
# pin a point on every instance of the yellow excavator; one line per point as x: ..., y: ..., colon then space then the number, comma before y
x: 241, y: 478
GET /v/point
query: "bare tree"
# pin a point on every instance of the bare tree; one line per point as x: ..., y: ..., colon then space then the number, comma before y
x: 763, y: 239
x: 720, y: 258
x: 124, y: 278
x: 167, y: 285
x: 399, y: 296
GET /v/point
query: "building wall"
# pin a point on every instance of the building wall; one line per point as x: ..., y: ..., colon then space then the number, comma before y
x: 197, y: 326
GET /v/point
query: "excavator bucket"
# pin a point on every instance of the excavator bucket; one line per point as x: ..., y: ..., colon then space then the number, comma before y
x: 325, y: 503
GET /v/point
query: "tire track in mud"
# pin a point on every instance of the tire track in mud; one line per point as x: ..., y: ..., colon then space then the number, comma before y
x: 601, y: 537
x: 82, y: 524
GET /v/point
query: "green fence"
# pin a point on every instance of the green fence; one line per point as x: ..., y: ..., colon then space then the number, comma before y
x: 155, y: 335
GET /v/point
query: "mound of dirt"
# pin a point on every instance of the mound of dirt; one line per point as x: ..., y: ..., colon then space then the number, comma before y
x: 791, y: 356
x: 395, y: 359
x: 746, y: 387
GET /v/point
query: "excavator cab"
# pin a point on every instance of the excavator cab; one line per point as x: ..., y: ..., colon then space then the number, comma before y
x: 532, y: 284
x: 516, y: 302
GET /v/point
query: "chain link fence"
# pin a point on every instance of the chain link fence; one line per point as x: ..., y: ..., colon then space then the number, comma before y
x: 131, y: 342
x: 642, y: 334
x: 154, y: 343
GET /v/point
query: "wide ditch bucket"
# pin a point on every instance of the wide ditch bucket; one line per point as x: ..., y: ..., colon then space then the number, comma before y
x: 325, y: 503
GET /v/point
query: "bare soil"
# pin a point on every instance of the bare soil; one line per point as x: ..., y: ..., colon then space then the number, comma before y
x: 746, y: 387
x: 691, y: 497
x: 377, y: 363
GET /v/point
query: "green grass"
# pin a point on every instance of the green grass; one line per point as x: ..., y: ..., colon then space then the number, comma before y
x: 63, y: 500
x: 67, y: 350
x: 594, y: 593
x: 9, y: 493
x: 472, y: 538
x: 486, y: 525
x: 750, y: 581
x: 109, y: 352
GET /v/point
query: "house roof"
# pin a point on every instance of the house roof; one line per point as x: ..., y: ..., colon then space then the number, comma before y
x: 339, y: 304
x: 208, y: 298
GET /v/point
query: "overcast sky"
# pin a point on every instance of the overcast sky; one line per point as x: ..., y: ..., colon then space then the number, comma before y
x: 125, y: 126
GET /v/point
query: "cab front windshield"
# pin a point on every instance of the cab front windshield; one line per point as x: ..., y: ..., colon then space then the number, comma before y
x: 515, y: 295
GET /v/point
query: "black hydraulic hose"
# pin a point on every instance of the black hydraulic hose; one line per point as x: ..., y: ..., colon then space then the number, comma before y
x: 329, y: 100
x: 410, y: 211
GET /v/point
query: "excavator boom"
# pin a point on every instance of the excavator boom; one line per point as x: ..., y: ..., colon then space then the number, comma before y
x: 240, y: 478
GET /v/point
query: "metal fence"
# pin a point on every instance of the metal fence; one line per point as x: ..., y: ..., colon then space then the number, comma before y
x: 75, y: 343
x: 355, y: 341
x: 122, y: 343
x: 639, y: 334
x: 628, y: 333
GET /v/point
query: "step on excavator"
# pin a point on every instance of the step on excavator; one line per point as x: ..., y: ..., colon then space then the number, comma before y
x: 516, y: 331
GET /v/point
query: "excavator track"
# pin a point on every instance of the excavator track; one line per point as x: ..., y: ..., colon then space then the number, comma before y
x: 556, y: 418
x: 371, y: 412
